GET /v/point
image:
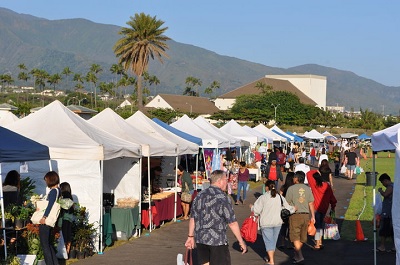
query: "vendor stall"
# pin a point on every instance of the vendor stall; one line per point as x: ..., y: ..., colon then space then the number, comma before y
x: 163, y: 205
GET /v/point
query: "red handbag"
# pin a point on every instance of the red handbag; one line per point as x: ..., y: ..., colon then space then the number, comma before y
x: 249, y: 228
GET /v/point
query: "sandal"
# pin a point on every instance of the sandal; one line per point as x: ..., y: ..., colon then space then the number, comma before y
x: 380, y: 250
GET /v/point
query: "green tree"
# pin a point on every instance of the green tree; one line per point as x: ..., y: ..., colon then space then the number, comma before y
x: 118, y: 70
x: 67, y: 72
x: 95, y: 69
x: 212, y: 87
x: 6, y: 79
x: 143, y: 39
x: 54, y: 80
x: 263, y: 87
x: 191, y: 84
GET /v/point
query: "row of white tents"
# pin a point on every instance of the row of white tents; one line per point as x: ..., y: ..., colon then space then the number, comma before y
x: 104, y: 153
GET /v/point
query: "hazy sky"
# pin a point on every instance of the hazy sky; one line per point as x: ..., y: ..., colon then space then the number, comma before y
x: 358, y: 36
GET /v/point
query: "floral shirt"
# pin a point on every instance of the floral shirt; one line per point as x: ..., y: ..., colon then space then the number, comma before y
x: 212, y: 212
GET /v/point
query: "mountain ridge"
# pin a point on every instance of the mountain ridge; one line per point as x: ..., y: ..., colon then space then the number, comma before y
x: 77, y: 43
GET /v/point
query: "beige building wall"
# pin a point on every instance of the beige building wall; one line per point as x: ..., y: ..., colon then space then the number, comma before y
x: 224, y: 103
x: 314, y: 86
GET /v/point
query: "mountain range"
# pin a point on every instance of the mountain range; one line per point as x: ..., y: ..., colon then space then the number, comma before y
x: 53, y: 45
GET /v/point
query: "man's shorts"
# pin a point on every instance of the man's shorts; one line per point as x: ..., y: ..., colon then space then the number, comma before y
x: 298, y: 224
x: 351, y: 167
x: 218, y: 255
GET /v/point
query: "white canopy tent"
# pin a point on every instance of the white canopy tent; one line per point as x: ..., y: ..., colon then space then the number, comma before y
x: 111, y: 122
x: 209, y: 139
x: 143, y: 123
x: 201, y: 122
x: 7, y: 117
x: 80, y: 152
x: 233, y: 128
x: 274, y: 136
x: 389, y: 139
x: 258, y: 134
x: 314, y: 135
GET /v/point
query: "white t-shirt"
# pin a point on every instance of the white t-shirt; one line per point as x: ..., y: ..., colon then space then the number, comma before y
x: 322, y: 157
x: 302, y: 167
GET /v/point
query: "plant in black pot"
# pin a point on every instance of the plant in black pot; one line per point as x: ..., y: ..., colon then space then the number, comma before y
x: 83, y: 232
x: 22, y: 216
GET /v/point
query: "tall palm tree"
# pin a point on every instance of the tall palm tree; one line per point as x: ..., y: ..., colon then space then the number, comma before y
x: 95, y: 69
x: 67, y: 72
x: 192, y: 82
x: 53, y: 80
x: 92, y: 78
x: 118, y: 70
x: 213, y: 86
x: 143, y: 39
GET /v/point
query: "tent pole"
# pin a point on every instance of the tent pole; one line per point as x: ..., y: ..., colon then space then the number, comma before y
x: 197, y: 168
x: 100, y: 250
x: 176, y: 187
x: 3, y: 221
x: 149, y: 191
x: 373, y: 200
x: 140, y: 194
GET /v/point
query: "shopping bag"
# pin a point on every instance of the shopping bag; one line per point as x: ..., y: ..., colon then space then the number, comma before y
x: 41, y: 206
x: 61, y: 249
x: 311, y: 230
x: 343, y: 169
x: 249, y: 228
x: 187, y: 260
x: 331, y: 231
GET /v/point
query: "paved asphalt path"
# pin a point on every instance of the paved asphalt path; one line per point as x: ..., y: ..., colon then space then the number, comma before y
x: 162, y: 245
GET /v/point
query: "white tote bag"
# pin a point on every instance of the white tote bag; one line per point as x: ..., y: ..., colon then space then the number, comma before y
x: 41, y: 206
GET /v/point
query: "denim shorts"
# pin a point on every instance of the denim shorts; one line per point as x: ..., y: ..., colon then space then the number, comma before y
x: 351, y: 167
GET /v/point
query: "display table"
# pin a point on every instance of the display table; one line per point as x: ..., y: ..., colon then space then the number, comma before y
x: 163, y: 208
x: 256, y: 172
x: 107, y: 229
x: 125, y: 219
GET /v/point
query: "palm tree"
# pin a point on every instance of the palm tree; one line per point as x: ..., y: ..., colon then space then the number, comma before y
x: 92, y: 78
x: 118, y: 70
x: 67, y: 72
x: 263, y: 87
x: 6, y: 79
x: 22, y: 67
x: 192, y: 82
x: 142, y: 40
x: 210, y: 89
x: 53, y: 80
x: 95, y: 69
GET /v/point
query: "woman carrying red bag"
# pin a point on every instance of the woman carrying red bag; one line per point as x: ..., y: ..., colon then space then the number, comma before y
x: 323, y: 197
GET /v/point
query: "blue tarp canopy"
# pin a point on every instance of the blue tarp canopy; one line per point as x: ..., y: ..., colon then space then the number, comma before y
x: 17, y: 148
x: 281, y: 134
x: 296, y: 137
x: 364, y: 137
x: 181, y: 134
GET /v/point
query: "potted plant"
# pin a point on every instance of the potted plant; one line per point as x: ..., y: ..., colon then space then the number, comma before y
x: 83, y: 233
x: 22, y: 214
x: 31, y: 235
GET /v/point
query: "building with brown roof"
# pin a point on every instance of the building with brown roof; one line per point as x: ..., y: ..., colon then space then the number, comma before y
x: 188, y: 104
x: 226, y: 101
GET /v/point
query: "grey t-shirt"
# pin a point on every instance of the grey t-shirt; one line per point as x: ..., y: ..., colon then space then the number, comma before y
x: 300, y: 195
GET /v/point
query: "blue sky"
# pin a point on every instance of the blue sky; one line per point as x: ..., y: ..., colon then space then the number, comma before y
x: 358, y: 36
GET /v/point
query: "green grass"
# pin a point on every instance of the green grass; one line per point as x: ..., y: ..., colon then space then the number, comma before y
x: 383, y: 164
